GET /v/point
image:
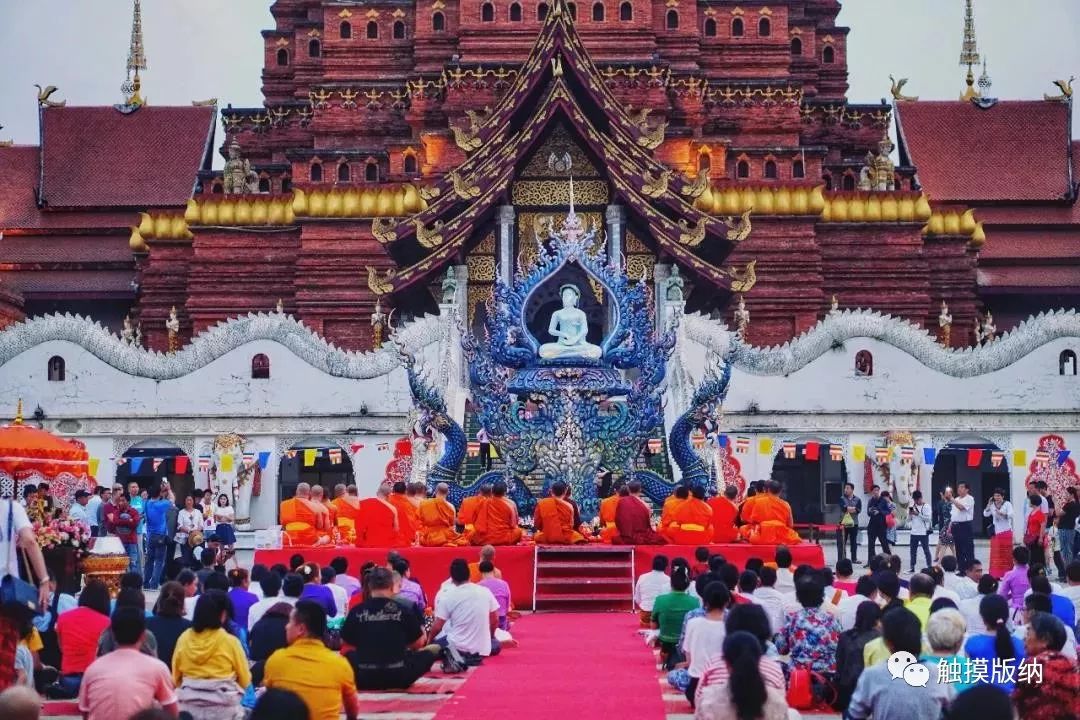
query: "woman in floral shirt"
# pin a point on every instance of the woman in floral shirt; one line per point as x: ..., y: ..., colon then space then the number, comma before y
x: 810, y: 635
x: 1056, y: 694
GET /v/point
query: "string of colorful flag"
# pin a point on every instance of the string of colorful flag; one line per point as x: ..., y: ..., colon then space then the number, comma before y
x: 859, y: 452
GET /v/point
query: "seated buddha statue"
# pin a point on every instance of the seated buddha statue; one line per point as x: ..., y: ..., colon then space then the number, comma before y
x: 570, y: 326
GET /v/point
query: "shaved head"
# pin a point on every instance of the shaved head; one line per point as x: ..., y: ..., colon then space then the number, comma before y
x: 20, y: 703
x: 353, y: 490
x: 303, y: 490
x: 731, y: 492
x: 383, y: 491
x: 317, y: 492
x: 339, y: 490
x: 442, y: 489
x: 486, y: 489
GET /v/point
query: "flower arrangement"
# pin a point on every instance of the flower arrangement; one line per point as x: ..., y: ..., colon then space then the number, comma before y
x: 61, y: 533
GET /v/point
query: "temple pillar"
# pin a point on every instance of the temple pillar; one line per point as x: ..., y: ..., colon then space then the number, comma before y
x: 506, y: 218
x: 615, y: 219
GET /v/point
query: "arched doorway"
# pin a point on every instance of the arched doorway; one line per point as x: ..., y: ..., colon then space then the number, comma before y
x: 158, y: 460
x: 316, y: 462
x: 813, y: 480
x: 971, y: 460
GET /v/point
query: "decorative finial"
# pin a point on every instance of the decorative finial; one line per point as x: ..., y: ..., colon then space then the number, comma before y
x: 969, y: 52
x: 984, y: 80
x: 136, y: 61
x: 945, y: 325
x: 742, y: 318
x: 18, y: 413
x: 172, y: 325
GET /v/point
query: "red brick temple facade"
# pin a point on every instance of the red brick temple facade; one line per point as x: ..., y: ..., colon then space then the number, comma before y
x: 398, y: 140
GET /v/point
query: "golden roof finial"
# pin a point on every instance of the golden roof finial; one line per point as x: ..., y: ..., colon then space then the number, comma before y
x: 18, y: 413
x: 969, y: 52
x: 136, y: 60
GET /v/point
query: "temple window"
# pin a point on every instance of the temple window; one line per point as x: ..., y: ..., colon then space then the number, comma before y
x: 373, y: 30
x: 314, y: 49
x: 515, y: 13
x: 399, y: 30
x: 438, y: 22
x: 764, y: 27
x: 849, y: 181
x: 672, y: 20
x: 770, y: 169
x: 316, y: 172
x: 864, y: 364
x: 410, y: 164
x: 283, y: 57
x: 742, y: 170
x: 796, y: 46
x: 1067, y: 363
x: 798, y: 169
x: 343, y: 172
x: 260, y: 367
x: 345, y: 31
x: 704, y: 162
x: 573, y: 11
x: 828, y: 181
x: 828, y: 55
x: 487, y: 12
x: 710, y: 27
x: 286, y: 185
x: 598, y: 12
x: 217, y: 188
x: 626, y: 12
x: 264, y: 185
x: 738, y: 28
x: 542, y: 12
x: 56, y: 369
x: 371, y: 171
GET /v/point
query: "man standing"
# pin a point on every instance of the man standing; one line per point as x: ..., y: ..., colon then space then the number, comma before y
x: 122, y: 520
x: 466, y: 616
x: 322, y: 678
x: 125, y: 681
x: 105, y: 508
x: 138, y: 503
x: 80, y: 511
x: 922, y: 518
x: 877, y: 508
x: 485, y: 448
x: 963, y: 513
x: 850, y: 507
x: 93, y: 510
x: 156, y: 516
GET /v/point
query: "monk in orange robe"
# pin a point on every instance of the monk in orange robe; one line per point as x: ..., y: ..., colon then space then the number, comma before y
x: 754, y: 493
x: 437, y: 520
x: 378, y: 521
x: 497, y: 519
x: 305, y: 522
x: 408, y: 520
x: 554, y: 519
x: 724, y: 511
x: 470, y: 507
x: 487, y: 554
x: 692, y: 524
x: 346, y: 504
x: 608, y: 506
x: 771, y: 520
x: 671, y: 506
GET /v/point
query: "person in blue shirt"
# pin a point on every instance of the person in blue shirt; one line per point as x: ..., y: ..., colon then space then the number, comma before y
x: 1060, y: 605
x: 995, y: 646
x: 156, y: 514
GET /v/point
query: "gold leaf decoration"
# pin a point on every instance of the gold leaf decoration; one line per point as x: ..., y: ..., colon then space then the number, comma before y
x: 692, y: 238
x: 654, y: 187
x: 429, y: 238
x: 694, y: 188
x: 464, y: 140
x: 738, y: 232
x: 430, y: 192
x: 462, y: 188
x: 742, y: 282
x: 377, y: 285
x: 383, y: 230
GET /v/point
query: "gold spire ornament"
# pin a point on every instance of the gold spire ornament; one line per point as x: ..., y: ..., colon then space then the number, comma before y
x: 969, y: 52
x: 136, y: 61
x: 18, y: 414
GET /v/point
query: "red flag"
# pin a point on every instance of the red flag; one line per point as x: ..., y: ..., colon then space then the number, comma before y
x: 974, y: 457
x: 180, y: 463
x: 356, y: 447
x: 810, y: 451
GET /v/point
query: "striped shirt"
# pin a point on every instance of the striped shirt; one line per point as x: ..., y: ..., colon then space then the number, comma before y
x: 716, y: 673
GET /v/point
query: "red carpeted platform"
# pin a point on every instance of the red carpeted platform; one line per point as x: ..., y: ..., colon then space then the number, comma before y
x: 430, y: 566
x: 803, y: 553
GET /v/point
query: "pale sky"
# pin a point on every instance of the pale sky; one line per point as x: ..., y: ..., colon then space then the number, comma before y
x: 199, y: 49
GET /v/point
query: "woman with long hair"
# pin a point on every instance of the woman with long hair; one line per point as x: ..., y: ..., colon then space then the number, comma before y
x: 746, y: 693
x: 168, y: 621
x: 849, y: 651
x: 209, y: 667
x: 995, y: 645
x: 224, y: 517
x: 78, y: 632
x: 1000, y: 512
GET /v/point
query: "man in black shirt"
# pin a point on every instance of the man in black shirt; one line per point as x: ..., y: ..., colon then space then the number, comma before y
x: 390, y: 644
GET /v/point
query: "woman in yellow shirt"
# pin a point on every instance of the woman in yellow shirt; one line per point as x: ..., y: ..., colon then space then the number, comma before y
x: 209, y: 667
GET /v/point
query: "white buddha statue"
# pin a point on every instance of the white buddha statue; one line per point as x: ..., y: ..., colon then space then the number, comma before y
x: 570, y: 326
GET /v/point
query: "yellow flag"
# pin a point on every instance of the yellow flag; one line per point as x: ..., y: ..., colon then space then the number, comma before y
x: 92, y: 466
x: 226, y: 463
x: 764, y: 446
x: 858, y: 453
x: 1019, y: 458
x: 309, y: 456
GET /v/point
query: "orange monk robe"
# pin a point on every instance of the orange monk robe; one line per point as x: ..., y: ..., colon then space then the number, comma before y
x: 667, y: 513
x: 745, y: 511
x: 437, y: 524
x: 348, y: 508
x: 608, y: 531
x: 723, y: 513
x: 304, y: 522
x: 408, y: 519
x: 476, y: 576
x: 377, y: 524
x: 554, y: 522
x: 496, y: 523
x: 692, y: 524
x: 470, y: 506
x: 772, y: 522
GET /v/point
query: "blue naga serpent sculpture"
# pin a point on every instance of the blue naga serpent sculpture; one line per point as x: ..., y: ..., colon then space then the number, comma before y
x: 434, y: 416
x: 709, y: 394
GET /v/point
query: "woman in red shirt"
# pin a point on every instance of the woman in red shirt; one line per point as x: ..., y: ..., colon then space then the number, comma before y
x: 1035, y: 530
x: 78, y: 632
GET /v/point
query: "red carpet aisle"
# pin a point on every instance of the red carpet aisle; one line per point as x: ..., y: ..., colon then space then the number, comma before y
x: 568, y: 665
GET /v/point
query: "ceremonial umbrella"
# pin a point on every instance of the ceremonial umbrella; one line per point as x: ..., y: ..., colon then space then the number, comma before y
x: 30, y: 455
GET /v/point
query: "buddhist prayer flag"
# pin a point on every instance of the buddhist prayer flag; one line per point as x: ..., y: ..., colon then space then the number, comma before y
x: 92, y: 466
x: 264, y: 459
x: 697, y: 439
x: 654, y: 445
x: 836, y: 452
x: 1019, y: 458
x: 226, y: 463
x: 1063, y: 455
x: 356, y: 447
x: 291, y: 454
x: 812, y: 451
x: 382, y: 447
x: 473, y: 449
x: 335, y: 455
x: 121, y: 461
x: 204, y: 463
x: 249, y: 459
x: 742, y: 444
x: 136, y: 464
x: 907, y: 454
x: 789, y: 450
x: 974, y: 457
x: 157, y: 463
x: 882, y: 454
x: 996, y: 458
x: 929, y: 455
x: 765, y: 446
x: 309, y: 456
x: 180, y: 464
x: 1041, y: 456
x: 722, y: 440
x: 858, y: 453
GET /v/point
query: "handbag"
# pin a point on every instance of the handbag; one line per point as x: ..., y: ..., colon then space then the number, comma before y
x: 17, y: 597
x: 809, y: 690
x: 890, y: 521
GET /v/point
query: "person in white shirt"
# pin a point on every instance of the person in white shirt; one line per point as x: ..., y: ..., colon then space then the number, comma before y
x: 785, y: 580
x: 703, y: 637
x: 650, y: 586
x: 922, y: 520
x: 963, y: 513
x: 93, y: 509
x: 1072, y: 590
x: 80, y: 510
x: 341, y: 597
x: 16, y: 529
x: 865, y: 589
x: 966, y: 586
x: 275, y: 590
x: 466, y: 615
x: 188, y: 521
x: 969, y: 607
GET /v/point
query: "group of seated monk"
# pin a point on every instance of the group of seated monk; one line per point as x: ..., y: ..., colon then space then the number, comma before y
x: 401, y: 516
